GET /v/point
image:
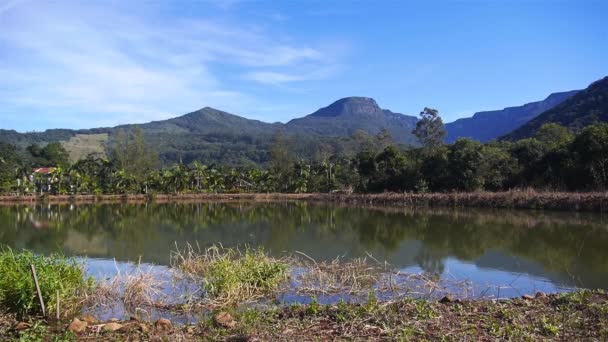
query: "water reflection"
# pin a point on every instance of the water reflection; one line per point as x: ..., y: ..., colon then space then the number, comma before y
x: 565, y: 248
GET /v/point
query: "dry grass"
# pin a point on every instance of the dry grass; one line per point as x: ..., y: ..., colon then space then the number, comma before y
x: 356, y: 279
x: 135, y: 292
x: 336, y: 276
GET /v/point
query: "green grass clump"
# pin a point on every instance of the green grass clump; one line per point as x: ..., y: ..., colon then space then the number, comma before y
x: 55, y: 273
x: 230, y: 276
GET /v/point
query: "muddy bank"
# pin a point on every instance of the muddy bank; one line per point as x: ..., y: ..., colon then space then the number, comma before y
x: 567, y: 317
x: 563, y: 201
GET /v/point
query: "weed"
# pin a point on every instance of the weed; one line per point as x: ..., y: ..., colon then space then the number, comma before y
x: 424, y: 309
x: 313, y: 307
x: 548, y: 328
x: 56, y: 273
x: 576, y: 297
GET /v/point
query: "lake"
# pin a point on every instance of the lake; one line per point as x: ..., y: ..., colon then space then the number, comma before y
x: 501, y: 253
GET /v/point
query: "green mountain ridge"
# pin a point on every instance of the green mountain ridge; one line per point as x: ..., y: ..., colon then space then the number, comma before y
x: 488, y: 125
x: 587, y: 107
x: 215, y: 136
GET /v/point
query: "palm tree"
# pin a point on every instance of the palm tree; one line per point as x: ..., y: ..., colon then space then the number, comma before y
x: 199, y: 173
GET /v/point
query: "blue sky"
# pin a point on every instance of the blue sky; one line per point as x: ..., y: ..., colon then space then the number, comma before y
x: 79, y: 64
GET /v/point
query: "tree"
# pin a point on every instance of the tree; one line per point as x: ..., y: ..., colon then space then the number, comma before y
x: 10, y: 164
x: 554, y: 136
x: 390, y: 164
x: 282, y: 160
x: 131, y: 154
x: 591, y: 150
x: 430, y: 129
x: 466, y: 161
x: 56, y: 154
x: 53, y: 154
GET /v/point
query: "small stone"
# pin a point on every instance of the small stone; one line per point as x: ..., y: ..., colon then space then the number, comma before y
x: 527, y: 296
x: 224, y: 320
x: 540, y: 294
x: 447, y: 299
x: 22, y: 326
x: 163, y: 324
x: 89, y: 319
x: 112, y: 326
x: 77, y: 326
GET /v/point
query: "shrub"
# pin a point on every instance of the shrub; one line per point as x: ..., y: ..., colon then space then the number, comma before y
x: 55, y: 273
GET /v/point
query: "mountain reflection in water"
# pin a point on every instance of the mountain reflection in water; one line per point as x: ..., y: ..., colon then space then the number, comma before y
x: 565, y: 249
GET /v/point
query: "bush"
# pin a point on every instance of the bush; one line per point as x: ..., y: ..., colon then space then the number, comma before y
x: 55, y: 273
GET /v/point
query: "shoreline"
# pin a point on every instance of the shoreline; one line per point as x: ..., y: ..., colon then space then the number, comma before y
x: 576, y: 316
x: 558, y: 201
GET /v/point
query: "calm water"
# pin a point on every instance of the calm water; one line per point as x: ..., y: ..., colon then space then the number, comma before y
x: 510, y: 251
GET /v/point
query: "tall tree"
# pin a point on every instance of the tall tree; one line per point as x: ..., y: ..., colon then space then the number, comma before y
x: 282, y: 160
x: 132, y: 154
x: 430, y: 129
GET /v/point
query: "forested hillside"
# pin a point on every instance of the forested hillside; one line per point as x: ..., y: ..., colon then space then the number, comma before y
x: 488, y: 125
x: 589, y: 106
x: 213, y: 136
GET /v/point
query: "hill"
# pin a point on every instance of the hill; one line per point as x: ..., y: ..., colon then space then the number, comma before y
x: 489, y: 125
x: 348, y: 115
x: 587, y: 107
x: 214, y: 136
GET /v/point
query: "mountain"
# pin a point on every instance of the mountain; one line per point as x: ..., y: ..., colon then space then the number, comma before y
x: 587, y: 107
x: 214, y: 136
x: 348, y: 115
x: 488, y: 125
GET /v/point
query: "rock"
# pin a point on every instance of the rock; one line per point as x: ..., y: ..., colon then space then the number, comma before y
x: 77, y: 326
x: 540, y: 294
x: 224, y: 320
x: 112, y: 326
x: 163, y: 324
x: 527, y: 296
x: 89, y: 319
x: 22, y: 326
x: 447, y: 299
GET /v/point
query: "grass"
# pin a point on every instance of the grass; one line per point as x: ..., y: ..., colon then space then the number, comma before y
x: 233, y: 276
x: 55, y: 273
x: 230, y: 276
x: 81, y: 145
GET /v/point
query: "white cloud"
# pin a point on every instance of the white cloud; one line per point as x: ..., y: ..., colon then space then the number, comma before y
x: 279, y: 78
x: 80, y: 59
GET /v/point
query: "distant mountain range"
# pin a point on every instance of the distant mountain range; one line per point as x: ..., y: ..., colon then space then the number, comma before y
x: 214, y: 136
x: 489, y: 125
x: 587, y: 107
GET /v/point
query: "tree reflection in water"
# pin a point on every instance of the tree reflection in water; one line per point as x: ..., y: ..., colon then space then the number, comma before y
x: 561, y: 246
